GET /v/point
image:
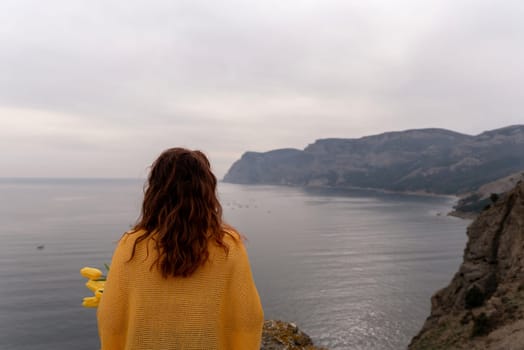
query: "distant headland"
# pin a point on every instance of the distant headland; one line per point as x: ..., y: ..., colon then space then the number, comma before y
x: 436, y: 161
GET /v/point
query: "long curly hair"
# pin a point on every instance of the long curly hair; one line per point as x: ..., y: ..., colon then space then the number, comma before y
x: 181, y: 212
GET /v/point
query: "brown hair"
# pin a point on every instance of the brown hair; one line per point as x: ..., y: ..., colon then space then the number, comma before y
x: 181, y: 212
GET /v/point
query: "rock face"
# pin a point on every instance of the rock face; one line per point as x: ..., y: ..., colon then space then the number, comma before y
x: 473, y: 203
x: 430, y: 160
x: 483, y: 306
x: 278, y: 335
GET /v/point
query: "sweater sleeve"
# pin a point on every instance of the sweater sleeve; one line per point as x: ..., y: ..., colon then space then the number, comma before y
x: 246, y: 316
x: 112, y: 310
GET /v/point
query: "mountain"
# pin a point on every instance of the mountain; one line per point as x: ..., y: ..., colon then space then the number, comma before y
x: 483, y: 306
x: 426, y: 160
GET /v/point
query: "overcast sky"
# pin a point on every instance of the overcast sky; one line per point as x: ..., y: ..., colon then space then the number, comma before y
x: 100, y: 88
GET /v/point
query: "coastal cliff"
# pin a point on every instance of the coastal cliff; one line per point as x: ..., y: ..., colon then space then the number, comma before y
x: 471, y: 204
x: 423, y: 160
x: 483, y: 306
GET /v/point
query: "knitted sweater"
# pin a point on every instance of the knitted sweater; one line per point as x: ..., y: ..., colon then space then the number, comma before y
x: 216, y: 308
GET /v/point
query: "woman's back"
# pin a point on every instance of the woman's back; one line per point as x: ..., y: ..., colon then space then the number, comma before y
x: 215, y: 308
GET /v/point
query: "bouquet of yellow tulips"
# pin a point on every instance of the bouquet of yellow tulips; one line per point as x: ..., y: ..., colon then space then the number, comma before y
x: 95, y: 283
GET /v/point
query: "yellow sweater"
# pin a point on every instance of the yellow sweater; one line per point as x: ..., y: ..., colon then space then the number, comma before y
x: 216, y: 308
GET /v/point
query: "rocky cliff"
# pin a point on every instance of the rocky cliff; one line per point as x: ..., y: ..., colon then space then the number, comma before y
x: 430, y: 160
x: 470, y: 204
x: 483, y: 306
x: 279, y: 335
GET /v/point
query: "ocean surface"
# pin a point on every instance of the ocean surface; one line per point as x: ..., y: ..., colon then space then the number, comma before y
x: 354, y: 269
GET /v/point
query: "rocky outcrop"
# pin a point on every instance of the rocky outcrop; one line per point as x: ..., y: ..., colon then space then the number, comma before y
x: 483, y: 306
x: 427, y: 160
x: 278, y: 335
x: 470, y: 204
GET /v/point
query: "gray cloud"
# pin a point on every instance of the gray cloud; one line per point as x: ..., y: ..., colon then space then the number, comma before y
x: 121, y: 80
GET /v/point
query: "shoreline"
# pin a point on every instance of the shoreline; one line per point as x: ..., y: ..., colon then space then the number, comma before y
x: 463, y: 215
x: 383, y: 190
x: 452, y: 197
x: 374, y: 189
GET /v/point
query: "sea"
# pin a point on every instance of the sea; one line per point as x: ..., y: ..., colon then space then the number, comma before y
x: 354, y: 269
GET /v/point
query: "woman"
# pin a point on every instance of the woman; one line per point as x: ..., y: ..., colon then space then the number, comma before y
x: 180, y: 279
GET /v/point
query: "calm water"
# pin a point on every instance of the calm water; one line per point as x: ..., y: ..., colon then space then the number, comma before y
x: 355, y: 270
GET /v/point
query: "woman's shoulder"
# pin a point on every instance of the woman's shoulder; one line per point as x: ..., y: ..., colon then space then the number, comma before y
x: 131, y: 240
x: 232, y: 238
x: 231, y: 247
x: 231, y: 234
x: 129, y: 237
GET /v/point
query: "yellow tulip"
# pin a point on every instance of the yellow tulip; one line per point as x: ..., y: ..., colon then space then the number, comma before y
x: 91, y: 273
x: 90, y: 302
x: 99, y: 292
x: 94, y: 285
